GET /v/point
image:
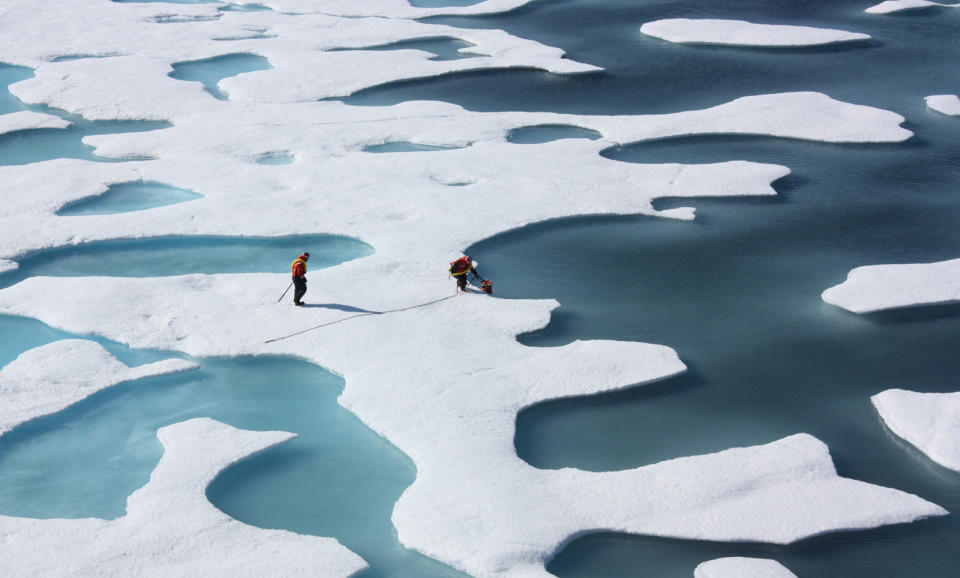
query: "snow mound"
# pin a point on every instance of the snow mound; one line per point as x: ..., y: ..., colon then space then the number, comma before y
x: 929, y: 421
x: 49, y: 378
x: 878, y: 287
x: 945, y: 103
x: 739, y: 567
x: 170, y: 528
x: 741, y: 33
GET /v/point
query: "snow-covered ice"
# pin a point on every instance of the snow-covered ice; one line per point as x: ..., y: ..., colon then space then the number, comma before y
x: 741, y: 33
x: 929, y: 421
x: 945, y: 103
x: 740, y: 567
x: 892, y: 6
x: 49, y: 378
x: 878, y: 287
x: 474, y: 505
x: 28, y: 120
x: 170, y: 528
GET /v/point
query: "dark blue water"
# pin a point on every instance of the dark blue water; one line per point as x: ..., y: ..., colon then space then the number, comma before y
x: 737, y: 292
x: 211, y: 71
x: 127, y: 197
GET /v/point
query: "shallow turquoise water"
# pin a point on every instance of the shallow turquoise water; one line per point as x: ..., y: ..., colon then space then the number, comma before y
x: 167, y: 256
x: 211, y: 71
x: 127, y: 197
x: 549, y: 132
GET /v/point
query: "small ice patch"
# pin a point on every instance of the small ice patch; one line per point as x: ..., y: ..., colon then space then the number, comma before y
x: 738, y: 567
x: 929, y: 421
x: 891, y: 6
x: 879, y: 287
x: 29, y: 120
x: 945, y: 103
x: 741, y: 33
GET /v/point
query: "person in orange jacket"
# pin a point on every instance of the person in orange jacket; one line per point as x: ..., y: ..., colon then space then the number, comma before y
x: 299, y: 270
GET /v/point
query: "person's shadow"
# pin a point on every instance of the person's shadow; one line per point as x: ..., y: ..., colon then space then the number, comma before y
x: 338, y: 306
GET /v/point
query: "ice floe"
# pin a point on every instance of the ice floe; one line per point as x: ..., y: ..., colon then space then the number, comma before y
x: 929, y: 421
x: 475, y: 504
x: 170, y: 528
x: 28, y: 120
x: 878, y: 287
x: 891, y: 6
x: 945, y: 103
x: 741, y: 33
x: 47, y: 379
x: 739, y: 567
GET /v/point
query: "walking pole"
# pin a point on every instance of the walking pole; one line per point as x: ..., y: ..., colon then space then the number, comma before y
x: 285, y: 292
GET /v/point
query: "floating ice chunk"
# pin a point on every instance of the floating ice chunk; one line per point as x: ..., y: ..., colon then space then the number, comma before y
x: 929, y: 421
x: 29, y: 120
x: 879, y: 287
x: 171, y: 528
x: 741, y: 33
x: 739, y: 567
x: 891, y: 6
x: 47, y: 379
x: 6, y: 265
x: 945, y: 103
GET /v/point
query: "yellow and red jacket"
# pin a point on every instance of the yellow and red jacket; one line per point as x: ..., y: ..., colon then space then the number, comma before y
x: 299, y: 267
x: 461, y: 266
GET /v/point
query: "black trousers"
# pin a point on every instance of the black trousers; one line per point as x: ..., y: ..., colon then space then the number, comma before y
x: 300, y: 287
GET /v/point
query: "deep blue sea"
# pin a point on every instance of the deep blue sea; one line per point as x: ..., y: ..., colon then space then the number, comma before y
x: 736, y: 292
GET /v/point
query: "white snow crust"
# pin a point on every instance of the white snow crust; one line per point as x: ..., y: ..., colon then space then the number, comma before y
x: 878, y: 287
x: 891, y: 6
x: 741, y: 33
x: 740, y: 567
x: 27, y: 120
x: 929, y: 421
x: 945, y: 103
x: 446, y: 398
x: 49, y: 378
x: 170, y: 528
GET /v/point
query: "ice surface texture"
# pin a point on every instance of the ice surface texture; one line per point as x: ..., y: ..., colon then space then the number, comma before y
x: 740, y: 33
x: 446, y: 398
x: 929, y: 421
